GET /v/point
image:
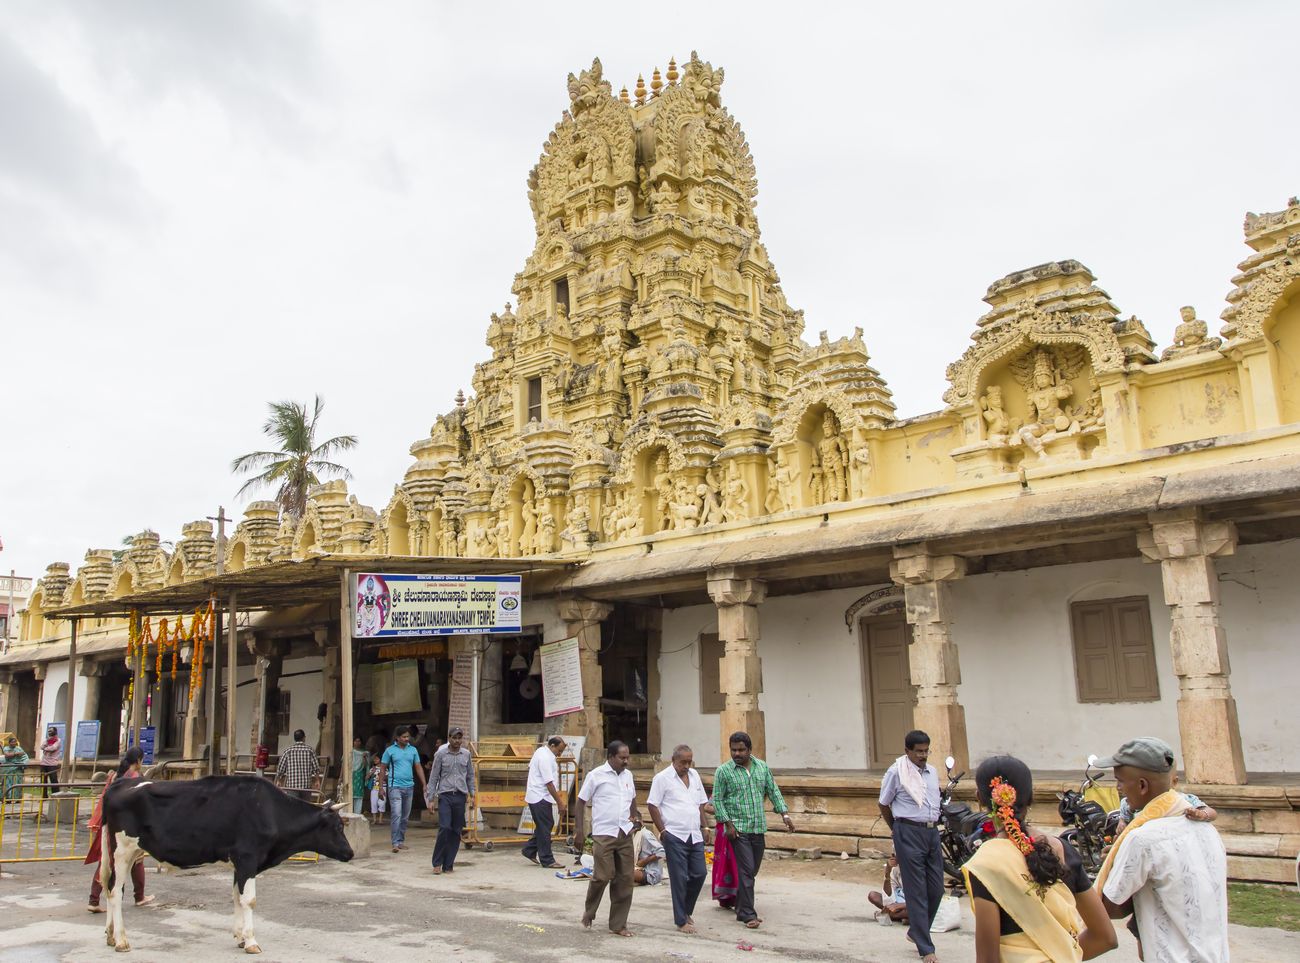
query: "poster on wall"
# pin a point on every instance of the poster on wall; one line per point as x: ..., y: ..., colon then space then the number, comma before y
x: 389, y: 605
x: 461, y: 703
x: 561, y: 678
x: 87, y: 743
x: 395, y: 687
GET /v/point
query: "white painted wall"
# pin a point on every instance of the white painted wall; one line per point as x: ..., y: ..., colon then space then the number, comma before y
x: 812, y: 682
x: 1017, y: 664
x: 1018, y: 681
x: 56, y: 674
x: 1261, y: 615
x: 305, y: 695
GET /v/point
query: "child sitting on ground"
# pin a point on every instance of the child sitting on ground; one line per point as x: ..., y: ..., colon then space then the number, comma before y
x: 891, y: 901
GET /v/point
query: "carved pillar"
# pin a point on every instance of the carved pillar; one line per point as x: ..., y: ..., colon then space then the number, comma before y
x: 740, y: 672
x: 932, y: 655
x: 93, y: 673
x: 269, y: 661
x: 8, y: 701
x: 331, y: 679
x: 1186, y: 545
x: 39, y: 670
x: 583, y: 618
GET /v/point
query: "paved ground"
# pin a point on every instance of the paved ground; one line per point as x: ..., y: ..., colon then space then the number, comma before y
x: 496, y: 907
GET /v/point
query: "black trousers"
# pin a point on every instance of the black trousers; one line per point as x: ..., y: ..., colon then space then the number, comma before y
x: 543, y: 822
x: 686, y: 873
x: 451, y: 820
x: 920, y: 863
x: 49, y: 780
x: 749, y: 848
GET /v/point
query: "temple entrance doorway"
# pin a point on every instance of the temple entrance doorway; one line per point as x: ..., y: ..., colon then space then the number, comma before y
x: 890, y: 693
x: 629, y: 660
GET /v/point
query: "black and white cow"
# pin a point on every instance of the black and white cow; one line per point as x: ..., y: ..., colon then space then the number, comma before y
x: 242, y: 820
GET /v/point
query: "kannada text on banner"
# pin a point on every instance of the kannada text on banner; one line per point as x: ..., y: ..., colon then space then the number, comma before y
x: 561, y: 678
x: 397, y: 605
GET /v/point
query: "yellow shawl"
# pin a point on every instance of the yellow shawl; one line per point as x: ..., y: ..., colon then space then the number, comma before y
x: 1169, y: 803
x: 1050, y: 922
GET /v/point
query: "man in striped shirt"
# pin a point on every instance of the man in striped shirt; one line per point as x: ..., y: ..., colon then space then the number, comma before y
x: 739, y: 787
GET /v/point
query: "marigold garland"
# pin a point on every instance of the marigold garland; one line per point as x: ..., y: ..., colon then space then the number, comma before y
x: 1003, y: 796
x: 169, y: 638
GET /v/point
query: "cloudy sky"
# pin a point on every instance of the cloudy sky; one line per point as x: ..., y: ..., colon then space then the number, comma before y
x: 206, y: 206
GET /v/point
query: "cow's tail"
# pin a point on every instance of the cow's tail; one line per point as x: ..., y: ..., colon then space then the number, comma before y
x: 107, y: 878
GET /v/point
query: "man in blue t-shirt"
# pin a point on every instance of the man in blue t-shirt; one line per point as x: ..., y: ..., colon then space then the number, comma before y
x: 398, y: 770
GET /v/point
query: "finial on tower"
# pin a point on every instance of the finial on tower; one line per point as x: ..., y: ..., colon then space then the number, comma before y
x: 656, y: 83
x: 460, y: 397
x: 640, y: 90
x: 622, y: 95
x: 672, y: 71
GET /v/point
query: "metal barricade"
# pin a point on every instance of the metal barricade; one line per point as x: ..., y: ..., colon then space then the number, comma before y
x: 500, y: 785
x: 38, y: 825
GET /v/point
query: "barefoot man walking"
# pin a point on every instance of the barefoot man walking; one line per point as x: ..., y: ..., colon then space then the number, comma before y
x: 611, y: 794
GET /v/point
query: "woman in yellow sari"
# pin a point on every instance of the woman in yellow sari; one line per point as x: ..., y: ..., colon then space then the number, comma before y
x: 1032, y: 900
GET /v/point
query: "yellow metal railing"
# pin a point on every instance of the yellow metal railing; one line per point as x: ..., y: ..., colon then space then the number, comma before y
x: 40, y: 826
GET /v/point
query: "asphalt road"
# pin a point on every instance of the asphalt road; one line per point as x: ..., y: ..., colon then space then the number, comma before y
x: 495, y: 907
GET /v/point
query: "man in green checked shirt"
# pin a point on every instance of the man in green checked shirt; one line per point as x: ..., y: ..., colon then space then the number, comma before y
x: 738, y: 790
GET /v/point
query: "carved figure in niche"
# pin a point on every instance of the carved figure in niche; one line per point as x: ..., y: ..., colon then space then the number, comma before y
x: 503, y: 535
x: 772, y: 499
x: 735, y: 494
x: 662, y: 490
x: 462, y: 544
x: 860, y: 466
x: 815, y: 486
x: 710, y: 500
x: 545, y: 531
x: 611, y: 369
x: 623, y: 203
x: 996, y: 424
x: 685, y: 507
x: 1046, y: 395
x: 626, y: 518
x: 1091, y: 414
x: 663, y: 199
x: 832, y: 458
x: 528, y: 530
x: 1190, y: 337
x: 787, y: 481
x: 578, y: 528
x: 561, y: 327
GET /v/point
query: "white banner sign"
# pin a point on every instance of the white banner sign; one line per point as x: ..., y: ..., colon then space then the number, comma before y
x: 561, y: 678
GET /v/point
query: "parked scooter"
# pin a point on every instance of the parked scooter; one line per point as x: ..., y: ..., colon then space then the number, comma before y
x: 961, y: 829
x: 1089, y: 828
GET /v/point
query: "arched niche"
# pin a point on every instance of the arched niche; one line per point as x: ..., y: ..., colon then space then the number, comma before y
x: 820, y: 454
x: 176, y: 571
x: 653, y: 487
x: 399, y: 530
x: 521, y: 508
x: 61, y: 705
x: 33, y: 624
x: 238, y: 560
x: 307, y: 540
x: 1283, y: 333
x: 124, y: 585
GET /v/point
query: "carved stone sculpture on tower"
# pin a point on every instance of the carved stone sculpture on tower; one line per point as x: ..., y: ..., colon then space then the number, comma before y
x: 528, y: 529
x: 831, y: 459
x: 997, y: 426
x: 1190, y: 337
x: 787, y: 482
x: 735, y: 494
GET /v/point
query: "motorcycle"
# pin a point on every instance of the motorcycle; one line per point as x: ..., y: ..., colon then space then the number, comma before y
x: 961, y: 829
x: 1089, y: 828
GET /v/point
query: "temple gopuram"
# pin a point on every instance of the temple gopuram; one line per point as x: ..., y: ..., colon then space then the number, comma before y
x: 1091, y: 538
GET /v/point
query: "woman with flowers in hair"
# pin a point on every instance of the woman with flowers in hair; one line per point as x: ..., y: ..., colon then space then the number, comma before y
x: 1032, y: 899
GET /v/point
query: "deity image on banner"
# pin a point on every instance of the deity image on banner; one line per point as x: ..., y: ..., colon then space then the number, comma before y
x: 373, y: 605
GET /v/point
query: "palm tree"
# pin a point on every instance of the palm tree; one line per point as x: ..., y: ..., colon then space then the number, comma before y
x: 298, y: 462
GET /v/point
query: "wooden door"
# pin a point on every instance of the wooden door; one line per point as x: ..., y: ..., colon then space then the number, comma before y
x: 889, y: 686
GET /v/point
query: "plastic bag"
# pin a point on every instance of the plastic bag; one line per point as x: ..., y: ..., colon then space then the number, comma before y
x: 949, y: 915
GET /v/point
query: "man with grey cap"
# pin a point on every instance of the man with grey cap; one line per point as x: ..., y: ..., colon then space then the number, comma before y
x: 1170, y: 872
x: 451, y: 782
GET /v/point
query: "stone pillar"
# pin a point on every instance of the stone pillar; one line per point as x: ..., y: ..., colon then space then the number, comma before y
x: 932, y: 655
x: 93, y: 673
x: 331, y: 679
x: 39, y: 670
x: 268, y: 662
x: 740, y: 672
x: 582, y: 617
x: 1186, y: 545
x: 8, y: 701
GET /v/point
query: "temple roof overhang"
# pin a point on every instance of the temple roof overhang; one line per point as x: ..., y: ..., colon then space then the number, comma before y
x: 306, y: 581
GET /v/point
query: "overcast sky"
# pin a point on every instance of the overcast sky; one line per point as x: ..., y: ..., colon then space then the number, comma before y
x: 206, y: 206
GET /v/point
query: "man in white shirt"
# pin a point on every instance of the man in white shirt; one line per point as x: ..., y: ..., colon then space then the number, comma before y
x: 1170, y: 872
x: 677, y: 800
x: 543, y: 787
x: 611, y: 793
